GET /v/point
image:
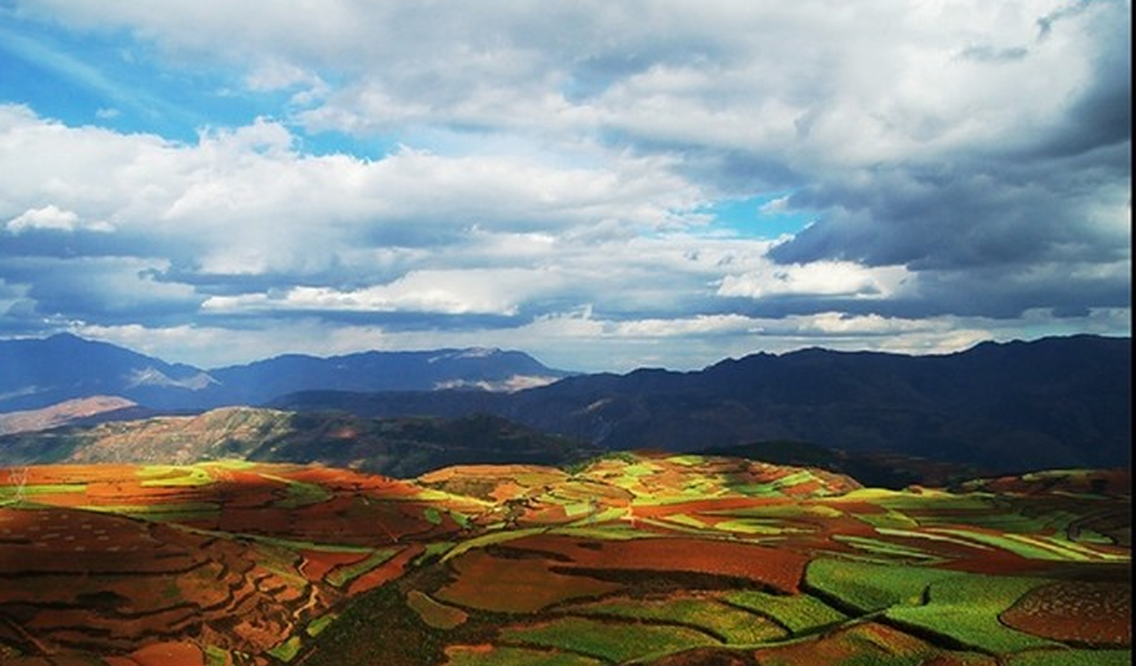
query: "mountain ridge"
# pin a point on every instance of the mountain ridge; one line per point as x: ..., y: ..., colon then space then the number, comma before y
x: 1006, y: 407
x: 1055, y: 402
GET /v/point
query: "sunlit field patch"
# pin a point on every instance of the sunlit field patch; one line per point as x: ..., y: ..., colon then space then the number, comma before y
x: 615, y: 641
x: 799, y: 613
x: 171, y: 475
x: 437, y: 615
x: 868, y: 644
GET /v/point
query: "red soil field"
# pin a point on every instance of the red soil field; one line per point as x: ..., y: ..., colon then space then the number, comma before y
x: 515, y: 585
x: 776, y: 568
x: 73, y: 580
x: 65, y: 540
x: 316, y: 564
x: 386, y: 572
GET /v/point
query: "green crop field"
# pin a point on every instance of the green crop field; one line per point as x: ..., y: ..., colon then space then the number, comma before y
x: 966, y: 609
x: 730, y: 624
x: 799, y: 613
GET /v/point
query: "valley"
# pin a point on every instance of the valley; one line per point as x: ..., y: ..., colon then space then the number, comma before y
x: 474, y: 508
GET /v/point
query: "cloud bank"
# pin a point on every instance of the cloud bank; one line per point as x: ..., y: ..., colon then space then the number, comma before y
x: 550, y: 177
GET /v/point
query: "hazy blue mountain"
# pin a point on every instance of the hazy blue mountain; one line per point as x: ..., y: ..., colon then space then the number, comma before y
x: 38, y: 373
x: 460, y: 369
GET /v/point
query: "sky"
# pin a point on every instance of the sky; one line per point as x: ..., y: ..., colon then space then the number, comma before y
x: 604, y: 185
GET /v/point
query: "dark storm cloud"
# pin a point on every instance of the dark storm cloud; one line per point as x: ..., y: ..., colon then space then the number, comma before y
x: 104, y: 290
x: 1033, y: 196
x: 965, y: 215
x: 988, y: 229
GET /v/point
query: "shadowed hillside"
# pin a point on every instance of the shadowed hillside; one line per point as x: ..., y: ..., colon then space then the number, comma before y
x: 1057, y: 402
x: 402, y: 447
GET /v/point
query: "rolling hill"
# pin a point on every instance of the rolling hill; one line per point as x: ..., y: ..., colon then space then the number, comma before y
x: 401, y: 447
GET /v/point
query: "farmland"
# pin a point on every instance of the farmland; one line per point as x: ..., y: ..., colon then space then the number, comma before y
x: 643, y: 558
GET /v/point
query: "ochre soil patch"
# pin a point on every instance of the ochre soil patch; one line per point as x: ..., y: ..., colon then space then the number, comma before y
x: 1090, y: 613
x: 514, y: 585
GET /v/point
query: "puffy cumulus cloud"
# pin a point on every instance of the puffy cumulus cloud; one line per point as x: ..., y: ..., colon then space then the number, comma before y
x: 244, y: 201
x: 48, y: 217
x: 241, y: 224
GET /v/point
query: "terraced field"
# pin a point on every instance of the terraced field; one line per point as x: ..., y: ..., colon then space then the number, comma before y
x: 632, y: 558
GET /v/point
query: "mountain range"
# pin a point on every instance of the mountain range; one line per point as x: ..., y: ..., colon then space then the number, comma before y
x: 39, y: 373
x: 1005, y: 407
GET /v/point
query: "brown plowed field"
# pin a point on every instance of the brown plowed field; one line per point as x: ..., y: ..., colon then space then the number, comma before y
x: 1097, y: 614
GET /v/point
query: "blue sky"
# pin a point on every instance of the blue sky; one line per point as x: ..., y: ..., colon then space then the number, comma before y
x: 603, y: 185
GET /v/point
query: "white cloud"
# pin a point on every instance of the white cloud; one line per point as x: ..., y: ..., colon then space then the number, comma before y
x: 51, y: 217
x: 48, y: 217
x: 452, y: 292
x: 819, y: 278
x: 247, y: 203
